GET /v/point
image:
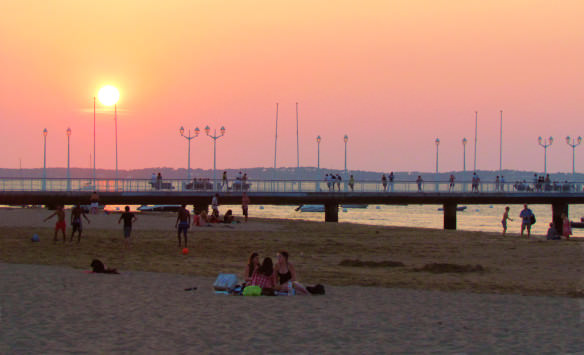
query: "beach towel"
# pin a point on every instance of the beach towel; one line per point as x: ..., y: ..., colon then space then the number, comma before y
x: 225, y: 282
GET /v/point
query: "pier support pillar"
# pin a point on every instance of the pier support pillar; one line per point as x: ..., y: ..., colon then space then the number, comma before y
x: 331, y: 212
x: 450, y: 215
x: 557, y: 209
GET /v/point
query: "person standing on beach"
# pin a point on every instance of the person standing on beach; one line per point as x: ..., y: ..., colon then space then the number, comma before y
x: 60, y: 225
x: 526, y: 220
x: 94, y: 202
x: 244, y: 205
x: 128, y: 219
x: 504, y: 220
x: 183, y: 221
x: 76, y: 225
x: 215, y: 204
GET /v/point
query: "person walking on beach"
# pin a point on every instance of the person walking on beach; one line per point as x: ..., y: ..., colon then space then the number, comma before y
x: 419, y: 181
x: 60, y: 225
x: 352, y: 183
x: 183, y: 222
x: 527, y: 217
x: 128, y: 218
x: 566, y: 226
x: 244, y: 205
x: 384, y: 182
x: 504, y: 220
x: 94, y: 202
x: 76, y: 225
x: 215, y: 204
x: 451, y: 186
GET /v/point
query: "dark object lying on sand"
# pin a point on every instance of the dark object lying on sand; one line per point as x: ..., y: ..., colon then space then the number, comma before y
x: 444, y: 268
x: 317, y: 289
x: 99, y: 268
x: 359, y: 263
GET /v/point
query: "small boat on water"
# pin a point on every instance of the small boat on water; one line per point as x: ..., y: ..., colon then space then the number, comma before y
x: 458, y: 208
x: 355, y: 206
x: 159, y: 208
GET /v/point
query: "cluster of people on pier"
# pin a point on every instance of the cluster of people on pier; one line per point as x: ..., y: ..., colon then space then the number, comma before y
x: 543, y: 184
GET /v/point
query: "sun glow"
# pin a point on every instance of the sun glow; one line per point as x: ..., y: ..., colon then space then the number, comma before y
x: 108, y: 95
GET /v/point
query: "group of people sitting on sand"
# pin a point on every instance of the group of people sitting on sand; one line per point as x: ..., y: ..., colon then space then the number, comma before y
x: 280, y: 277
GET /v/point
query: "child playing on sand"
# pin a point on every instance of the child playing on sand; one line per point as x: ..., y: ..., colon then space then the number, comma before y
x: 76, y: 214
x: 128, y: 219
x: 60, y: 225
x: 505, y: 218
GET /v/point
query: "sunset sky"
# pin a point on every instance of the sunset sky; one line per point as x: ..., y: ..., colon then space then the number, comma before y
x: 392, y: 75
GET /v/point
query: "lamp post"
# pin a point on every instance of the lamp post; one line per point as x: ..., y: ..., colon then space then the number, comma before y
x: 545, y: 143
x: 318, y: 139
x: 437, y: 141
x: 346, y: 139
x: 475, y: 140
x: 68, y: 160
x: 574, y: 143
x: 214, y: 137
x: 464, y: 141
x: 44, y: 185
x: 189, y: 138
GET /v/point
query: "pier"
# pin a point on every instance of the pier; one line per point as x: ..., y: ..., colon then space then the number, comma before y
x: 278, y: 192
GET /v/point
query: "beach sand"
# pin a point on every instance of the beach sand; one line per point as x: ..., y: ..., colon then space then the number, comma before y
x: 55, y: 310
x: 527, y: 299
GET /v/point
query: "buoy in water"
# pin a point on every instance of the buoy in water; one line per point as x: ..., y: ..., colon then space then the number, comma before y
x: 261, y: 207
x: 35, y: 238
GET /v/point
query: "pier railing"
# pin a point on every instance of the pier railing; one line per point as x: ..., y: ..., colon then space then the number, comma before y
x: 272, y: 186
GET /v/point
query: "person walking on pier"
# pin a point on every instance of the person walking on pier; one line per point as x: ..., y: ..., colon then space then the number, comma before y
x: 527, y: 219
x: 384, y: 182
x: 183, y: 222
x: 352, y: 183
x: 502, y: 184
x: 390, y: 178
x: 419, y: 181
x: 338, y: 180
x: 451, y: 186
x: 224, y: 183
x: 497, y: 183
x: 504, y: 220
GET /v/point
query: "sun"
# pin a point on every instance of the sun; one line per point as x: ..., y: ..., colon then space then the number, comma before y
x: 108, y: 95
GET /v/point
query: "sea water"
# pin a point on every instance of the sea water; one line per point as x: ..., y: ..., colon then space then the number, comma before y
x: 485, y: 218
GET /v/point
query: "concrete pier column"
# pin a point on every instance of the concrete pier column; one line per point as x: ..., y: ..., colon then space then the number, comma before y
x: 450, y: 215
x: 331, y: 212
x: 557, y: 209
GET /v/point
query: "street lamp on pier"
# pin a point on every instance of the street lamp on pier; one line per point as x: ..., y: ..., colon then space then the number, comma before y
x: 214, y: 137
x: 346, y: 139
x: 573, y: 142
x: 318, y: 139
x: 189, y: 138
x: 44, y: 185
x: 437, y: 141
x: 68, y: 160
x: 545, y: 143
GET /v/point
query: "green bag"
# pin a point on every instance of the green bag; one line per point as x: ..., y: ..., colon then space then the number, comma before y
x: 252, y: 291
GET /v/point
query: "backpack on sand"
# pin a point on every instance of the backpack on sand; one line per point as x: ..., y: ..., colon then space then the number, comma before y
x: 225, y: 282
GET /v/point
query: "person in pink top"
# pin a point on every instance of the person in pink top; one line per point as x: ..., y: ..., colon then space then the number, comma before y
x: 264, y: 276
x: 244, y: 204
x: 566, y: 226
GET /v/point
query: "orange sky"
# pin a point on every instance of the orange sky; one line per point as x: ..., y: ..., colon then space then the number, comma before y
x: 393, y: 75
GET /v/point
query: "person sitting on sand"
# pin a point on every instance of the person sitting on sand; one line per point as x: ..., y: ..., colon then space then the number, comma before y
x: 228, y: 217
x: 204, y: 218
x: 264, y: 276
x: 284, y: 271
x: 60, y: 225
x: 253, y: 263
x: 552, y: 233
x: 214, y: 217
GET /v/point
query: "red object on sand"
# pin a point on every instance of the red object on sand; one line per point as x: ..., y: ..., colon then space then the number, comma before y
x: 185, y: 251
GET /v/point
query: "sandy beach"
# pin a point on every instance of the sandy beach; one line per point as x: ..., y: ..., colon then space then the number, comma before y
x: 526, y: 297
